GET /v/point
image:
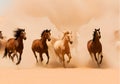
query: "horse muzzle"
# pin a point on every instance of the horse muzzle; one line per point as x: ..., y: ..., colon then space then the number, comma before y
x: 25, y: 38
x: 1, y: 37
x: 71, y: 42
x: 49, y: 39
x: 99, y: 36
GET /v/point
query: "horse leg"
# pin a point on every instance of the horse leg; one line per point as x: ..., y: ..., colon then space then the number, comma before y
x: 12, y: 57
x: 101, y: 59
x: 69, y: 55
x: 96, y: 59
x: 41, y: 58
x: 19, y: 58
x: 47, y: 57
x: 35, y: 56
x: 63, y: 59
x: 5, y: 53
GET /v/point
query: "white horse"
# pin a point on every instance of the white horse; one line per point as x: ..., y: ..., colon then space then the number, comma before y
x: 61, y: 47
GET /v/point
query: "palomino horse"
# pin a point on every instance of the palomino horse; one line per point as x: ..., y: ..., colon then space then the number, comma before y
x: 15, y: 45
x: 40, y: 45
x: 95, y: 47
x: 61, y: 47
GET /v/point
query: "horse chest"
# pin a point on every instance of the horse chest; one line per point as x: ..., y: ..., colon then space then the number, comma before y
x: 97, y: 47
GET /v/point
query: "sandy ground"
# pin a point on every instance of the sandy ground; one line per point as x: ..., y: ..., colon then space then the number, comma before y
x: 59, y: 76
x: 79, y: 16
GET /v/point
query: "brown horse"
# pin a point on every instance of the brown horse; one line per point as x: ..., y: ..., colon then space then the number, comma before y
x: 15, y: 45
x: 95, y: 47
x: 1, y: 36
x: 40, y: 45
x: 61, y: 47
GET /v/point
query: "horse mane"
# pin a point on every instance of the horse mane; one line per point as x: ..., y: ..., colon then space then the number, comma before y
x: 65, y: 34
x: 18, y: 32
x: 94, y: 35
x: 44, y: 32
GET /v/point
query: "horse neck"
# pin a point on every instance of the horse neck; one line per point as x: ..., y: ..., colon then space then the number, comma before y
x: 43, y: 41
x: 96, y: 39
x: 20, y: 40
x: 65, y: 41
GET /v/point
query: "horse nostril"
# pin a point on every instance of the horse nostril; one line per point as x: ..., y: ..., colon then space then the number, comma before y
x: 25, y: 38
x: 71, y: 42
x: 49, y: 39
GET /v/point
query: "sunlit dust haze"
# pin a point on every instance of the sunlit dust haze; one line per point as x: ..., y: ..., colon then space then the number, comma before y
x: 79, y: 16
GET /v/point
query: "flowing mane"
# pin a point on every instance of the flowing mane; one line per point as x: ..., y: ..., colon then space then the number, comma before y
x: 18, y: 32
x: 65, y: 34
x: 44, y: 32
x: 94, y: 35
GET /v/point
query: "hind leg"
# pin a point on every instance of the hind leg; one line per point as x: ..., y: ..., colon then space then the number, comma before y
x: 35, y: 56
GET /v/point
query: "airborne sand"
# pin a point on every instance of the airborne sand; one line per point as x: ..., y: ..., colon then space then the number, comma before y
x: 37, y: 15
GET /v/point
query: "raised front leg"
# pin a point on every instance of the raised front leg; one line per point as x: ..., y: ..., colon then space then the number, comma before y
x: 47, y: 57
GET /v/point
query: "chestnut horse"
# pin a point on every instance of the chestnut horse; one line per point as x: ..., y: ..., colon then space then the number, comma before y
x: 40, y: 46
x: 15, y: 45
x: 95, y: 47
x: 2, y: 41
x: 61, y: 47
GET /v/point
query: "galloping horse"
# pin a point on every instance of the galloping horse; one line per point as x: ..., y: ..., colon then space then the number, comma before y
x: 15, y: 45
x: 95, y: 47
x: 1, y: 38
x: 61, y: 47
x: 40, y: 45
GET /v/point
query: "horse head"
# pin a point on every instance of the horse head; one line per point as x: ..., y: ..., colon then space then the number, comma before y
x: 68, y: 37
x: 97, y: 33
x: 1, y: 37
x: 20, y: 33
x: 46, y: 34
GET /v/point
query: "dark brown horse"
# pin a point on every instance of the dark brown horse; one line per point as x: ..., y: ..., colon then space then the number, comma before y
x: 1, y: 36
x: 40, y: 45
x: 95, y: 47
x: 15, y: 45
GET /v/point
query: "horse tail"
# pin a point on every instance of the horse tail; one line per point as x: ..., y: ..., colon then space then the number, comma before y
x: 5, y: 53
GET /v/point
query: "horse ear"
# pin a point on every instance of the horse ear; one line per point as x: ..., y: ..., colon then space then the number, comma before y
x: 99, y: 29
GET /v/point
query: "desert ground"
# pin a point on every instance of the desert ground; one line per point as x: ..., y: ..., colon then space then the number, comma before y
x: 79, y: 16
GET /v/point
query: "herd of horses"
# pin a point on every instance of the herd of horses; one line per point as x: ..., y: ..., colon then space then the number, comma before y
x: 14, y: 46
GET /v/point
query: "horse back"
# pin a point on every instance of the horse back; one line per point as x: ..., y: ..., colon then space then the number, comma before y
x: 37, y: 45
x: 11, y: 43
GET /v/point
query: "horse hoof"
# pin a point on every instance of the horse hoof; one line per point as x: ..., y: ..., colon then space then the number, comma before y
x: 17, y: 63
x: 47, y: 62
x: 68, y: 61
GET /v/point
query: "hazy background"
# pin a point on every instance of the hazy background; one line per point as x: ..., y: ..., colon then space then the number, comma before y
x: 79, y: 16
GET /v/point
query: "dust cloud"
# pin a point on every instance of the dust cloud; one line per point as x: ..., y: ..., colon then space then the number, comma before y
x: 79, y: 16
